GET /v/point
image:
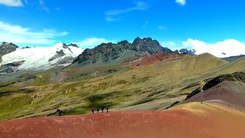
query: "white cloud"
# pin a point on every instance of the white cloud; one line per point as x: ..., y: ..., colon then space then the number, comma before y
x: 162, y: 27
x: 180, y: 2
x: 146, y: 24
x: 111, y: 19
x: 11, y: 3
x: 91, y: 42
x: 21, y: 35
x: 140, y: 5
x: 42, y: 4
x: 226, y: 48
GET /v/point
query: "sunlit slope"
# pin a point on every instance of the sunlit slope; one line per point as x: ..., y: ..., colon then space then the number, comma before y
x: 231, y: 67
x: 215, y: 120
x: 238, y: 65
x: 187, y: 120
x: 152, y: 87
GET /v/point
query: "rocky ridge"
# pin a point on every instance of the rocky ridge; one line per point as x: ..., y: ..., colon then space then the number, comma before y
x: 109, y: 52
x: 236, y: 76
x: 6, y: 48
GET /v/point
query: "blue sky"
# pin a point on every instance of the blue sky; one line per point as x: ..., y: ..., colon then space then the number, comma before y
x: 174, y: 23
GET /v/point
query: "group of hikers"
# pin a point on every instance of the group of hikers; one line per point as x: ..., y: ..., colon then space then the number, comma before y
x: 98, y: 109
x: 102, y: 108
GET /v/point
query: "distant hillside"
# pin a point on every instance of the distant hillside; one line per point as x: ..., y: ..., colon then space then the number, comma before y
x: 152, y: 86
x: 226, y: 89
x: 232, y: 58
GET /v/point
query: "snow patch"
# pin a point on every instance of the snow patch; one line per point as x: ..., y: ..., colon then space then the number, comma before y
x: 38, y: 57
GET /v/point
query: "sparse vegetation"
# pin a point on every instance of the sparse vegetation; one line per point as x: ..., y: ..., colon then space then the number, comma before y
x: 191, y: 85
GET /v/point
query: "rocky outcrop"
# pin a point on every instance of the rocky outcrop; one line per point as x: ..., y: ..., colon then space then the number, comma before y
x: 196, y: 91
x: 74, y: 45
x: 58, y: 54
x: 10, y: 67
x: 109, y: 52
x: 6, y: 48
x: 105, y: 52
x: 237, y: 76
x: 148, y: 47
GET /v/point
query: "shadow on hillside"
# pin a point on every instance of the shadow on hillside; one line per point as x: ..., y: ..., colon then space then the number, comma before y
x: 7, y: 93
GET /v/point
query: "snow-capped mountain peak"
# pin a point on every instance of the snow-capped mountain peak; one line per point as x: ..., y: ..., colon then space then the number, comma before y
x: 41, y: 57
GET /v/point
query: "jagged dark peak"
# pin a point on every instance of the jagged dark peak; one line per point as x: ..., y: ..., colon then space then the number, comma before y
x: 125, y: 45
x: 64, y: 45
x: 109, y: 44
x: 124, y: 42
x: 138, y: 40
x: 145, y: 40
x: 6, y: 48
x: 103, y: 53
x: 73, y: 45
x: 58, y: 54
x: 148, y: 46
x: 107, y: 52
x: 103, y: 47
x: 8, y: 44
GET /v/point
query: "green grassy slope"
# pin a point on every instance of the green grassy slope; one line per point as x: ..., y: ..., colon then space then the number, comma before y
x: 152, y: 87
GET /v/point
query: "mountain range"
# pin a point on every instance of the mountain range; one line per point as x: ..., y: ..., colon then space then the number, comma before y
x: 15, y: 59
x: 121, y: 51
x: 188, y: 91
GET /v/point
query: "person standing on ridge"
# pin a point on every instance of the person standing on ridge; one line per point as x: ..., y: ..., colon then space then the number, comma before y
x: 61, y: 112
x: 102, y: 109
x: 92, y: 110
x: 98, y: 109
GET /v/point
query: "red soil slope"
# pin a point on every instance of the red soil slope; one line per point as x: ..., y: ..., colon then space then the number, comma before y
x: 158, y: 57
x: 189, y: 120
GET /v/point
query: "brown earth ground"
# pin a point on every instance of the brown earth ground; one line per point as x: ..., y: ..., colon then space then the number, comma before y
x: 187, y: 120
